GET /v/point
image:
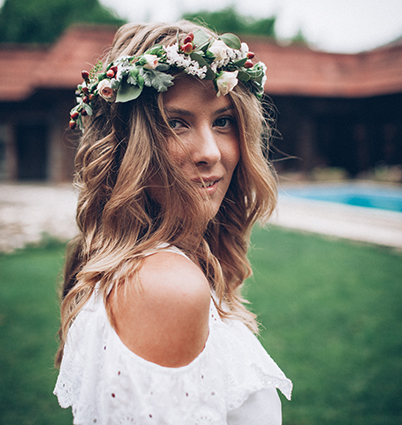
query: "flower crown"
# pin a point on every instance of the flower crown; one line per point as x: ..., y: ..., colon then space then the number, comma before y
x: 224, y: 60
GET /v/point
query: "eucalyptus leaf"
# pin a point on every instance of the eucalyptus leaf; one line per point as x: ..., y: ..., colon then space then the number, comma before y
x: 127, y: 92
x: 203, y: 47
x: 200, y: 37
x: 231, y: 40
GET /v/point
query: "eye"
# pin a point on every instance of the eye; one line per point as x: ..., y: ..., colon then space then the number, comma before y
x: 224, y: 122
x: 175, y: 124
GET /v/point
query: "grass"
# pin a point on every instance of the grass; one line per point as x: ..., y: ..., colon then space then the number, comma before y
x: 332, y: 320
x: 29, y: 319
x: 330, y: 313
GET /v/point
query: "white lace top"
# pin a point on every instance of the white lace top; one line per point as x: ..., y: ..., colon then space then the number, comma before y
x: 233, y: 381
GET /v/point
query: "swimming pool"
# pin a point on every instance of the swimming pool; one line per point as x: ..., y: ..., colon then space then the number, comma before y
x: 369, y: 196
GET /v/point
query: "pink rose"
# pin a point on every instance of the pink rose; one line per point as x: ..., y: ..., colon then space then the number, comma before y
x: 226, y: 82
x: 105, y: 90
x: 151, y: 61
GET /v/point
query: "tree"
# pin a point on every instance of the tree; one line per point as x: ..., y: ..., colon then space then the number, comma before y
x: 42, y: 21
x: 228, y: 20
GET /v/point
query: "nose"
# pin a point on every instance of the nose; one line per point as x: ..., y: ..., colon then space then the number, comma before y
x: 205, y: 149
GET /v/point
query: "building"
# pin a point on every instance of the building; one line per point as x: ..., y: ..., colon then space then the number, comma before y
x: 333, y: 110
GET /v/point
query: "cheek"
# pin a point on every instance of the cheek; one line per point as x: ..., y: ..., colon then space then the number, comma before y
x: 232, y: 156
x: 176, y: 153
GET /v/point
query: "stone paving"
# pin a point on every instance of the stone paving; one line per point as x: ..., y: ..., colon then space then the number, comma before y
x: 29, y: 211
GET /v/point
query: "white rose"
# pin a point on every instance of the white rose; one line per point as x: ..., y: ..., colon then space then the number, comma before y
x: 151, y: 61
x: 226, y: 82
x: 105, y: 90
x: 219, y: 50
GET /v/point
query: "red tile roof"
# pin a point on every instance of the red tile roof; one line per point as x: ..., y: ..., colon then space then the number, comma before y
x: 18, y: 63
x: 292, y: 70
x: 58, y: 66
x: 296, y: 70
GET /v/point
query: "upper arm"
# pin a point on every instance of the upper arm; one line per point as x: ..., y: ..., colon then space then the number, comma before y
x: 165, y: 321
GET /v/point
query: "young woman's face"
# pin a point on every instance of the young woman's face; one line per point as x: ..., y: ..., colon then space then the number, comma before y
x: 207, y: 127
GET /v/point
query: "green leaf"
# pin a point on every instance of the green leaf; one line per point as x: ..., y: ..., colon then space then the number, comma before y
x: 203, y: 47
x: 240, y: 63
x: 101, y: 76
x: 210, y: 75
x: 162, y: 67
x: 156, y: 79
x: 243, y: 76
x: 87, y: 108
x: 156, y: 50
x: 127, y: 92
x: 114, y: 84
x: 198, y: 58
x: 231, y: 40
x: 200, y: 38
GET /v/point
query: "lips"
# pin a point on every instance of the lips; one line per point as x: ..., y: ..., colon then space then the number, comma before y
x: 209, y: 184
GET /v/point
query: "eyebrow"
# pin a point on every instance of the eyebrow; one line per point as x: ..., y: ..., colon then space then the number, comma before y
x: 179, y: 111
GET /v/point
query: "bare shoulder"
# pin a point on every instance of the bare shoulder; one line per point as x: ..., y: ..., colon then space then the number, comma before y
x: 164, y: 321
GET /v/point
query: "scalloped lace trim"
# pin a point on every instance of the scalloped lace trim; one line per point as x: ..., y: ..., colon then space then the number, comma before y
x: 106, y: 383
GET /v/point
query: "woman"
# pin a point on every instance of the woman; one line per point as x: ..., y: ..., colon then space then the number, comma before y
x: 171, y: 178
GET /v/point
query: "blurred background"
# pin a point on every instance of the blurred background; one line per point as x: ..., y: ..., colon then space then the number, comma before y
x: 334, y: 76
x: 329, y: 306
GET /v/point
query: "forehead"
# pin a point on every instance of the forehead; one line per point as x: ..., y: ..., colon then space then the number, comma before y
x: 192, y: 93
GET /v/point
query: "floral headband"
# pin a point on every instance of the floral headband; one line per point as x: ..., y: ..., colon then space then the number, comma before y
x: 225, y: 61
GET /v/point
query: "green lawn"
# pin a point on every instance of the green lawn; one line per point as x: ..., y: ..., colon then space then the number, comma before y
x: 331, y: 317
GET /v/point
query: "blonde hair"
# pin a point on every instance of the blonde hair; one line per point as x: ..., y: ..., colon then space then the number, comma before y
x: 123, y: 147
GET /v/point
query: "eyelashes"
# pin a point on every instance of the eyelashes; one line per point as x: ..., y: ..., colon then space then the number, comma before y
x: 221, y: 122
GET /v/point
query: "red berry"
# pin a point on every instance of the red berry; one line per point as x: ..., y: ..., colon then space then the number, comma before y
x: 248, y: 64
x: 72, y: 124
x: 110, y: 73
x: 83, y: 112
x: 250, y: 55
x: 189, y: 38
x: 187, y: 48
x: 91, y: 96
x: 114, y: 69
x: 85, y: 99
x: 85, y: 75
x: 85, y: 89
x: 74, y: 115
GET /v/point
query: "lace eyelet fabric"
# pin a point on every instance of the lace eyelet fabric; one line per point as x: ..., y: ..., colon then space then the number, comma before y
x: 107, y: 384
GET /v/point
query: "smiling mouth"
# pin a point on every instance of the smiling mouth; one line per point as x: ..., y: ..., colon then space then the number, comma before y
x: 206, y: 183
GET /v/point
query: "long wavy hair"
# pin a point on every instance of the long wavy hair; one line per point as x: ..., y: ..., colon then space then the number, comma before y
x: 123, y: 149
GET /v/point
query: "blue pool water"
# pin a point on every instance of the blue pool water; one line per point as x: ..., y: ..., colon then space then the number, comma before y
x: 386, y: 198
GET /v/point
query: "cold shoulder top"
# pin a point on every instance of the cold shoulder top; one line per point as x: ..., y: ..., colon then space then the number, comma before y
x: 233, y: 381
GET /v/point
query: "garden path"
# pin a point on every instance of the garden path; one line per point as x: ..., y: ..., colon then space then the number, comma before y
x: 29, y: 211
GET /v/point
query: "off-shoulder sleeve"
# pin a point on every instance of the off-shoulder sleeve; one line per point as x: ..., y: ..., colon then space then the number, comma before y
x: 107, y: 384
